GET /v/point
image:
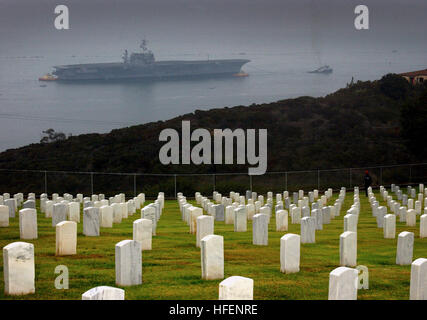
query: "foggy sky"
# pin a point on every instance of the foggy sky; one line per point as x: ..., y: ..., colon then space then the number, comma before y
x: 199, y: 25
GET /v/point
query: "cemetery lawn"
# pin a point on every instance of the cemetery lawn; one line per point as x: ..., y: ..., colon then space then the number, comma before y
x: 171, y: 270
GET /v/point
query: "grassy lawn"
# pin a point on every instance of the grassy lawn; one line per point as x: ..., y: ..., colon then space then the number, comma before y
x: 172, y: 269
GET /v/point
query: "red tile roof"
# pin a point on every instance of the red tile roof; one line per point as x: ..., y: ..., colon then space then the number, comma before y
x: 415, y: 73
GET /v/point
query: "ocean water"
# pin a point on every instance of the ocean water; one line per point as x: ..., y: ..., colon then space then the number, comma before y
x: 281, y: 49
x: 28, y: 106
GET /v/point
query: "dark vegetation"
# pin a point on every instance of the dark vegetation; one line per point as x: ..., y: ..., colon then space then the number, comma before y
x: 368, y: 123
x: 50, y: 135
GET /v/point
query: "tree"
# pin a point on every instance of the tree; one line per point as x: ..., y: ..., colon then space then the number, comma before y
x: 394, y: 86
x: 52, y: 136
x: 413, y: 120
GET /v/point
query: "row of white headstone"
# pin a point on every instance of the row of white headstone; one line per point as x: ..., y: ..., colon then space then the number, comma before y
x: 348, y: 239
x: 72, y: 205
x: 340, y: 288
x: 411, y: 192
x: 343, y: 280
x: 19, y: 270
x: 406, y: 213
x: 232, y: 288
x: 19, y: 262
x: 405, y: 239
x: 407, y: 202
x: 212, y: 245
x: 95, y: 215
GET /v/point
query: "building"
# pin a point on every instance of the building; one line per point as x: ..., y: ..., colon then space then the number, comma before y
x: 415, y: 76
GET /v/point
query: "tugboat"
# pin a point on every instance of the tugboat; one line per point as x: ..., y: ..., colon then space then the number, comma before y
x: 142, y: 65
x: 324, y: 69
x: 241, y: 74
x: 48, y: 77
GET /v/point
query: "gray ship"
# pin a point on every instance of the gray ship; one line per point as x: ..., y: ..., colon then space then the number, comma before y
x: 324, y: 69
x: 143, y: 66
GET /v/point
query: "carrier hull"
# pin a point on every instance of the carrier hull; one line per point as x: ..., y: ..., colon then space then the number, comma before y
x: 155, y: 70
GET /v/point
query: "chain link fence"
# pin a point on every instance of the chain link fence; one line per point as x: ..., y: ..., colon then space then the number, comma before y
x: 39, y: 181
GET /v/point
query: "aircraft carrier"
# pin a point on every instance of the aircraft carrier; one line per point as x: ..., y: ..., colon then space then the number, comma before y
x: 143, y: 66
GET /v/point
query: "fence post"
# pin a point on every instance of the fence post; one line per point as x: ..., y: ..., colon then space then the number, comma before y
x: 174, y: 177
x: 214, y: 182
x: 45, y: 181
x: 91, y: 183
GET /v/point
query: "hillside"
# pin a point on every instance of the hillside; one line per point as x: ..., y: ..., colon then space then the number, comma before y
x: 359, y: 125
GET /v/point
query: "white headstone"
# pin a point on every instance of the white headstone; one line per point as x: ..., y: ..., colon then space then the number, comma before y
x: 106, y: 214
x: 282, y: 220
x: 212, y: 257
x: 229, y: 215
x: 28, y: 224
x: 205, y: 227
x: 317, y: 214
x: 219, y: 212
x: 4, y: 216
x: 405, y: 248
x: 195, y: 212
x: 423, y: 226
x: 11, y: 203
x: 142, y: 232
x: 87, y: 204
x: 381, y: 212
x: 66, y: 238
x: 48, y: 209
x: 240, y: 220
x: 305, y: 211
x: 389, y: 226
x: 411, y: 218
x: 74, y: 211
x: 18, y: 268
x: 236, y: 288
x: 250, y: 209
x: 104, y: 293
x: 59, y: 213
x: 91, y: 221
x: 296, y: 215
x: 260, y: 230
x: 149, y: 212
x: 418, y: 288
x: 343, y: 284
x: 348, y: 249
x: 117, y: 212
x: 402, y: 214
x: 30, y: 204
x: 128, y: 261
x: 417, y: 207
x: 326, y: 215
x: 290, y: 253
x: 308, y: 230
x: 124, y: 210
